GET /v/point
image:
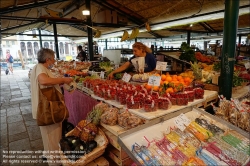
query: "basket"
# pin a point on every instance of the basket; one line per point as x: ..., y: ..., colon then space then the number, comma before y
x: 211, y: 87
x: 102, y: 143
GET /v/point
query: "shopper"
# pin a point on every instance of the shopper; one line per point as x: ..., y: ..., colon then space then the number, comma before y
x: 139, y: 50
x: 81, y: 54
x: 9, y: 60
x: 41, y: 77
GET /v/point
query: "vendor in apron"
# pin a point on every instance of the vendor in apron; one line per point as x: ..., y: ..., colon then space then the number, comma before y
x: 143, y: 60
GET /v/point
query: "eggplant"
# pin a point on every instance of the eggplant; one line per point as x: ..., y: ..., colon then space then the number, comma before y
x: 64, y: 144
x: 91, y: 145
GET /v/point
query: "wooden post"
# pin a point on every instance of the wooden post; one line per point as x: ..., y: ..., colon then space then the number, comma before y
x: 21, y: 59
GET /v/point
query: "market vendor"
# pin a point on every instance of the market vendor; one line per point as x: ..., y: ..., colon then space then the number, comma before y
x: 142, y: 57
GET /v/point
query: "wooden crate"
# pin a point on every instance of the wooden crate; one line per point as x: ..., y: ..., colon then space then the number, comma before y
x: 101, y: 161
x: 125, y: 162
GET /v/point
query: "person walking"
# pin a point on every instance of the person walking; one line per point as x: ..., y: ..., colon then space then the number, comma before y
x: 41, y: 77
x: 9, y: 60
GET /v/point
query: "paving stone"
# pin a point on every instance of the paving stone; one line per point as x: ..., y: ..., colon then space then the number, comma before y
x: 26, y: 94
x: 30, y: 123
x: 14, y: 118
x: 16, y: 96
x: 37, y: 144
x: 25, y: 104
x: 4, y: 131
x: 20, y: 100
x: 4, y: 140
x: 18, y: 136
x: 34, y: 132
x: 13, y: 111
x: 15, y: 93
x: 28, y: 117
x: 15, y: 128
x: 3, y: 120
x: 26, y: 109
x: 22, y: 144
x: 3, y: 126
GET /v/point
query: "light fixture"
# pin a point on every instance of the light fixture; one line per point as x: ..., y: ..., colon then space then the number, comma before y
x: 191, y: 25
x: 85, y: 12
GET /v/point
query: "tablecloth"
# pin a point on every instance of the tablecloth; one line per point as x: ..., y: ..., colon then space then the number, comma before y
x: 78, y: 104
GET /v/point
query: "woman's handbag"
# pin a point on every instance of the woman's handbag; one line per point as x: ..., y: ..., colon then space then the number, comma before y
x: 51, y: 107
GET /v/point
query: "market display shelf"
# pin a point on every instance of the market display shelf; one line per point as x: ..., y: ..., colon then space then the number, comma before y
x: 152, y: 115
x: 153, y: 130
x: 116, y: 129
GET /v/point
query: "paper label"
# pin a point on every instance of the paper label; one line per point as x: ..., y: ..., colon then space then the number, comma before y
x: 126, y: 77
x: 247, y: 65
x: 154, y: 80
x: 116, y: 66
x: 102, y: 75
x: 74, y: 64
x: 162, y: 66
x: 182, y: 121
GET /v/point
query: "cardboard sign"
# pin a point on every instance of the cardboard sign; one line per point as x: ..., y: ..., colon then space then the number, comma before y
x: 102, y: 75
x: 181, y: 122
x: 162, y: 66
x: 247, y: 65
x: 126, y: 77
x: 154, y: 80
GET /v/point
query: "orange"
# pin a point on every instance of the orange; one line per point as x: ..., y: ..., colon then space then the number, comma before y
x: 156, y: 74
x: 168, y: 78
x: 179, y: 78
x: 162, y: 82
x: 160, y: 89
x: 170, y: 90
x: 148, y: 87
x: 174, y: 76
x: 187, y: 79
x: 156, y: 88
x: 174, y: 79
x: 165, y: 82
x: 163, y: 77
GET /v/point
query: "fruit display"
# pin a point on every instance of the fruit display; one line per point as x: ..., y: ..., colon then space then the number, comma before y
x: 204, y: 58
x: 200, y: 143
x: 141, y: 77
x: 110, y: 117
x: 128, y: 121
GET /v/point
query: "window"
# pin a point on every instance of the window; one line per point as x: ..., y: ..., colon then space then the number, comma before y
x: 13, y: 42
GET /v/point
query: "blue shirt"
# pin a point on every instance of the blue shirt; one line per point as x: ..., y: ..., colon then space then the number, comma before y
x: 150, y: 62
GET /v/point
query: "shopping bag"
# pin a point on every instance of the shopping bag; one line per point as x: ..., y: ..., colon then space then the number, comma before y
x: 51, y: 107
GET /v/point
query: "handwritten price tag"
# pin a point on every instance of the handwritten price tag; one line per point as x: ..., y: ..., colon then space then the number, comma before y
x: 126, y: 77
x: 182, y: 121
x: 102, y: 74
x: 161, y: 66
x: 154, y: 80
x: 247, y: 65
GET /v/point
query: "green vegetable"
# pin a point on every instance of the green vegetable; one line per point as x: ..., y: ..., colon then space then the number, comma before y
x: 187, y: 53
x: 217, y: 66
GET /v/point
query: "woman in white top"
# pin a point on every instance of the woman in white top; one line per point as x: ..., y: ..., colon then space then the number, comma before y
x: 41, y: 76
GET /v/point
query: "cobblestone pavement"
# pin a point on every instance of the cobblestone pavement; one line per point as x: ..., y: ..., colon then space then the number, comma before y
x: 19, y: 131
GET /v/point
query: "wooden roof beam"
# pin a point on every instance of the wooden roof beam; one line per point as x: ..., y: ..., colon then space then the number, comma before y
x: 206, y: 26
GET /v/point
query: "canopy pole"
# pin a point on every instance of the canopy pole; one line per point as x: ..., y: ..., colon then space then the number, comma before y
x: 229, y: 47
x: 90, y: 33
x: 56, y: 40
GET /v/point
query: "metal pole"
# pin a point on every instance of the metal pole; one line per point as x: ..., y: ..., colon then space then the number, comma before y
x: 40, y: 38
x: 106, y: 43
x: 90, y: 36
x: 229, y: 46
x: 56, y: 41
x: 188, y: 37
x: 239, y: 45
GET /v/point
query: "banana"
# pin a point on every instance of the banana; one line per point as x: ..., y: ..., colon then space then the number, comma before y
x: 147, y: 26
x: 137, y: 31
x: 97, y: 34
x: 53, y: 13
x: 125, y: 36
x: 132, y: 35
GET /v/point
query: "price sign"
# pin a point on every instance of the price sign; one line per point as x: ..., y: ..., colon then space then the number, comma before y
x: 179, y: 124
x: 93, y: 73
x: 74, y: 64
x: 247, y: 65
x: 116, y: 66
x: 182, y: 121
x: 126, y: 77
x: 161, y: 66
x: 102, y: 74
x: 154, y: 80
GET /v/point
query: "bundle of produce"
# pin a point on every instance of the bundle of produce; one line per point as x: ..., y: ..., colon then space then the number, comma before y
x: 128, y: 121
x: 74, y: 148
x: 85, y: 130
x: 110, y: 117
x: 187, y: 53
